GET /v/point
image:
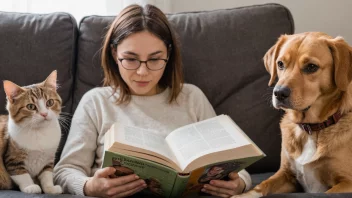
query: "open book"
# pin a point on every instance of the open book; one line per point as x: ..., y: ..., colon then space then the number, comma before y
x: 194, y: 148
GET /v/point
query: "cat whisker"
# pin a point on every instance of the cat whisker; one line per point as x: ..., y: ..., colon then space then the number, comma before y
x: 65, y: 117
x: 64, y: 123
x: 65, y: 127
x: 65, y: 113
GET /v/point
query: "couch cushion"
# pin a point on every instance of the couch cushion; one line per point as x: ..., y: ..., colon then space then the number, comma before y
x: 33, y: 45
x: 222, y: 54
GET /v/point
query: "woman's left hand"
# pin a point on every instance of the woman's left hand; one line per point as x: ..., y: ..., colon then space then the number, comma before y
x: 222, y: 188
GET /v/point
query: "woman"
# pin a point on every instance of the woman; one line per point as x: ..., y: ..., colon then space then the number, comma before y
x: 144, y: 88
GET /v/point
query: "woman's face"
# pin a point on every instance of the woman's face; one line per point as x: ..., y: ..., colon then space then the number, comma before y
x: 141, y: 46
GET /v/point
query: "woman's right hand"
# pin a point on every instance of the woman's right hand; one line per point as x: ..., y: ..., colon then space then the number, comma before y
x: 101, y: 185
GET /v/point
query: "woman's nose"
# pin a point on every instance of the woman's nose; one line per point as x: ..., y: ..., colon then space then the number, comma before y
x: 142, y: 70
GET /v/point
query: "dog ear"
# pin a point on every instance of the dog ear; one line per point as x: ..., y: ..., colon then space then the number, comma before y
x: 270, y: 58
x: 342, y: 57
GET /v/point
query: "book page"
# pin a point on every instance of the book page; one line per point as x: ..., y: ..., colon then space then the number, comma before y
x: 142, y: 138
x: 212, y: 135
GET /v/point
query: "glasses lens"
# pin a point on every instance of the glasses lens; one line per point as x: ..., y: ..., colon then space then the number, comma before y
x: 130, y: 63
x: 156, y: 64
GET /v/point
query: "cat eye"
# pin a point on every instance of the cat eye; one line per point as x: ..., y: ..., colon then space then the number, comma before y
x: 50, y: 103
x: 31, y: 107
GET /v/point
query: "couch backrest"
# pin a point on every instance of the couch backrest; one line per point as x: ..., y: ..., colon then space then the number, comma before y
x: 222, y: 54
x: 32, y: 46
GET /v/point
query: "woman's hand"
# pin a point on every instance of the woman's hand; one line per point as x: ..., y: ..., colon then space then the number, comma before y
x: 223, y: 188
x: 101, y: 185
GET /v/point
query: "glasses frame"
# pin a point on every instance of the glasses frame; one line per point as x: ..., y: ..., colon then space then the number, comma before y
x: 146, y: 63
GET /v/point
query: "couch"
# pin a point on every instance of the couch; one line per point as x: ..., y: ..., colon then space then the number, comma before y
x: 222, y: 54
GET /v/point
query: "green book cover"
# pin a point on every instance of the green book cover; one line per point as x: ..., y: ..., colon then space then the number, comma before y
x: 163, y: 181
x: 160, y: 179
x: 216, y: 171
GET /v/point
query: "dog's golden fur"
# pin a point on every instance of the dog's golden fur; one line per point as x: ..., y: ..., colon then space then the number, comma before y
x: 313, y: 98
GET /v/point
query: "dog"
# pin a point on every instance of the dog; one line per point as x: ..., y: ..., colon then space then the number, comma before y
x: 312, y: 72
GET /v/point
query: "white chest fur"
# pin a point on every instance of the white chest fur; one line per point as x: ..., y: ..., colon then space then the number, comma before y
x: 37, y: 160
x: 40, y: 143
x: 38, y: 138
x: 305, y: 173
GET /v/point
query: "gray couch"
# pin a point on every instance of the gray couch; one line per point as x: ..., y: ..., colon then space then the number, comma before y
x: 222, y: 54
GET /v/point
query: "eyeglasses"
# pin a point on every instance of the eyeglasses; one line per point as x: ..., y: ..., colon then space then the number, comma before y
x: 133, y: 64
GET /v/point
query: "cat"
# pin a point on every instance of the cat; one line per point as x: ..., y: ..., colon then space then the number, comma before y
x: 34, y: 134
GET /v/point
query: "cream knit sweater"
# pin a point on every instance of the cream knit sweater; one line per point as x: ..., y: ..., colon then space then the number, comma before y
x: 97, y: 111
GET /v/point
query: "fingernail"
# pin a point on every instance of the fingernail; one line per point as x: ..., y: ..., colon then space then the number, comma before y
x: 205, y: 186
x: 212, y: 182
x: 136, y: 177
x: 203, y: 190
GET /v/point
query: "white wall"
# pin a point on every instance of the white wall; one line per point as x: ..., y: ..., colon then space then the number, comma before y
x: 330, y: 16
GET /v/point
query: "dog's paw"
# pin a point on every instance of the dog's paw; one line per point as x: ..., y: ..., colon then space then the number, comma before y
x: 249, y: 194
x: 52, y: 189
x: 34, y: 189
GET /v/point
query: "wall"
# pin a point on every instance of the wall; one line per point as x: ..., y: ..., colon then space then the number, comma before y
x: 329, y: 16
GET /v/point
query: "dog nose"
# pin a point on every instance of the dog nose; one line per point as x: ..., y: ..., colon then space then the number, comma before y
x: 281, y: 93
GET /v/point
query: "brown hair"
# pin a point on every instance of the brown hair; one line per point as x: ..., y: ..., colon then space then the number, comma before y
x: 133, y: 19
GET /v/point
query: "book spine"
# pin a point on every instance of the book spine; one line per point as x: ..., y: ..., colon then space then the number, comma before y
x: 179, y: 185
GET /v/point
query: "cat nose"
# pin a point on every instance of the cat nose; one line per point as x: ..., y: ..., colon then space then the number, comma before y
x: 44, y: 114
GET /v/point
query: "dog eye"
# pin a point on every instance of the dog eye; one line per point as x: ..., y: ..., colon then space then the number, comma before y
x: 281, y: 65
x: 311, y: 68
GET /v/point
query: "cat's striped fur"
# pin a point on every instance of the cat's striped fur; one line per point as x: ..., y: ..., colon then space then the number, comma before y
x: 5, y: 180
x: 34, y: 133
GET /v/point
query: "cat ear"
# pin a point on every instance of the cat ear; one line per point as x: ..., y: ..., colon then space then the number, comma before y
x: 12, y: 90
x: 50, y: 81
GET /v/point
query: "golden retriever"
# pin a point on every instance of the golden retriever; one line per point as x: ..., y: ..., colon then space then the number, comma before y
x: 314, y: 72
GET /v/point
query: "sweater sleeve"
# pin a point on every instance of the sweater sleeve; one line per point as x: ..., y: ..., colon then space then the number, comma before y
x: 244, y: 175
x: 78, y: 155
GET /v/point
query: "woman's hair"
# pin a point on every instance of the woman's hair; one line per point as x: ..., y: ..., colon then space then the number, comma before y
x: 133, y: 19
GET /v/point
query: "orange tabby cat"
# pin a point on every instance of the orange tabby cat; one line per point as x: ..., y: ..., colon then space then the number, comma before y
x: 33, y: 136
